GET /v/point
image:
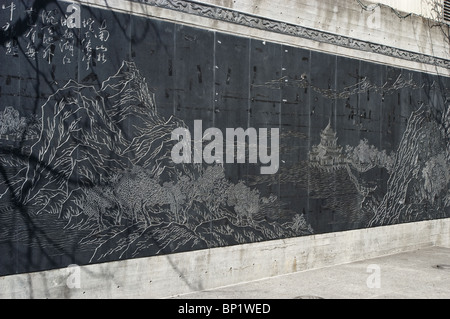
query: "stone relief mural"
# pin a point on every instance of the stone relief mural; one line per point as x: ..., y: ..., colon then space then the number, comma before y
x: 90, y: 99
x: 121, y: 190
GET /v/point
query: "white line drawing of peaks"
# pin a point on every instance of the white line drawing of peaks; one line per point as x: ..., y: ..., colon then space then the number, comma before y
x: 347, y: 179
x: 101, y: 167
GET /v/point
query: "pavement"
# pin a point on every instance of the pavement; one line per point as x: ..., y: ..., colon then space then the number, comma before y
x: 419, y: 274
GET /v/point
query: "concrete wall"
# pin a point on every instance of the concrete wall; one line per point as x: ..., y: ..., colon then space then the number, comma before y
x: 342, y: 28
x: 165, y: 276
x: 426, y: 8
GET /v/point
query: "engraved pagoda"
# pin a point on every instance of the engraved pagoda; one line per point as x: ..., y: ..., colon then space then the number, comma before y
x: 328, y: 155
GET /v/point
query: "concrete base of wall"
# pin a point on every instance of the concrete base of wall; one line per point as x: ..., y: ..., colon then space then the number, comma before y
x: 164, y: 276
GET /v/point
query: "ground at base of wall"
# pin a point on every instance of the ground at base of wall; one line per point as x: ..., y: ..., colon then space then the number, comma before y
x: 419, y: 274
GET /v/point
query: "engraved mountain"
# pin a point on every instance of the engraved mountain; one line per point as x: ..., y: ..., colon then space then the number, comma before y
x: 99, y: 181
x: 88, y: 135
x: 128, y: 97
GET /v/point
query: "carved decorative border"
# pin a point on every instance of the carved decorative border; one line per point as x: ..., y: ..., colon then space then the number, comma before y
x: 232, y: 16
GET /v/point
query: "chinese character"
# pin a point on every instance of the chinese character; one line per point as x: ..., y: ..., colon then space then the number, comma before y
x: 101, y: 58
x: 88, y: 54
x: 49, y: 17
x: 68, y: 34
x: 11, y: 48
x: 66, y: 59
x: 48, y: 39
x: 6, y: 26
x: 103, y: 32
x: 101, y: 48
x: 11, y: 7
x: 88, y: 24
x: 31, y: 34
x: 67, y: 47
x: 49, y: 53
x: 31, y: 50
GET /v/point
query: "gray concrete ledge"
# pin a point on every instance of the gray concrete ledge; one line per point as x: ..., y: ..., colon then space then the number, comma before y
x: 409, y: 275
x: 165, y: 276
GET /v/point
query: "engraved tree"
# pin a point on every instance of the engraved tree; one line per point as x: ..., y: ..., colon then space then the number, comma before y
x: 11, y: 122
x: 246, y: 202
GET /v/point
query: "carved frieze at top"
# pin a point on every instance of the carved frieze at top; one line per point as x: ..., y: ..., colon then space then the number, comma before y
x: 249, y: 20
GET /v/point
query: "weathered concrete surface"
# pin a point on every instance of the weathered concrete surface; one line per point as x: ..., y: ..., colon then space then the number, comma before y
x: 410, y: 275
x: 165, y: 276
x: 425, y: 8
x: 347, y: 18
